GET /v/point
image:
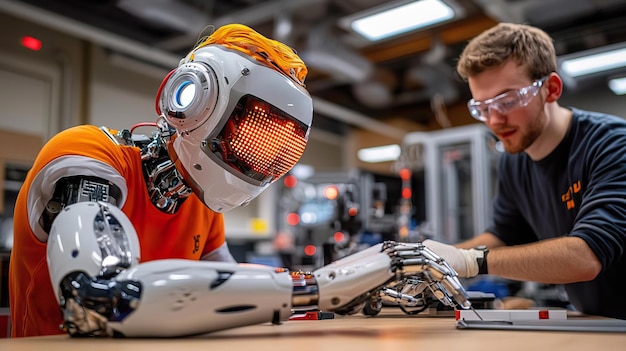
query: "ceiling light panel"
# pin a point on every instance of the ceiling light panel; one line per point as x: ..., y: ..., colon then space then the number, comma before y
x: 379, y: 153
x: 400, y: 17
x: 618, y: 85
x: 600, y: 60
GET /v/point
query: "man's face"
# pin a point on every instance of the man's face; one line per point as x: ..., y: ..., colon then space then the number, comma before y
x: 519, y: 127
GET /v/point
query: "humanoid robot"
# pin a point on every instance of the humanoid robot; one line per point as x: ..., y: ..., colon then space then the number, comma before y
x: 235, y: 117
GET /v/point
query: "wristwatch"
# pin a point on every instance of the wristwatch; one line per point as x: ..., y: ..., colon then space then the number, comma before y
x: 482, y: 261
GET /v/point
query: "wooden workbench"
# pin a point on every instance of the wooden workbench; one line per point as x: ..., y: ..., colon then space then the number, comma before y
x: 388, y: 331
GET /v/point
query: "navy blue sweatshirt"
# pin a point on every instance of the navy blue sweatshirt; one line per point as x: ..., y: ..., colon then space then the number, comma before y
x: 577, y: 190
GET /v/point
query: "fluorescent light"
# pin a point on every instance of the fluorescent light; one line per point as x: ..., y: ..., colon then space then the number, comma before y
x: 302, y: 171
x: 618, y: 85
x: 593, y: 63
x: 379, y: 153
x: 394, y: 19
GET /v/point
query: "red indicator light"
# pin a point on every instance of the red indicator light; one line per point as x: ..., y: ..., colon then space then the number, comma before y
x: 338, y: 237
x: 405, y: 174
x: 290, y: 181
x: 406, y: 193
x: 293, y: 219
x: 310, y: 250
x: 31, y: 43
x: 353, y: 211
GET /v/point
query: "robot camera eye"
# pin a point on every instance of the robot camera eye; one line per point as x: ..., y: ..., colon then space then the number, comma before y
x: 185, y: 94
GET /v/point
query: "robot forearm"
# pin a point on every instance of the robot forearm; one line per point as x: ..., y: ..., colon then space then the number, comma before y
x: 409, y: 274
x: 93, y: 260
x: 182, y: 297
x: 170, y: 298
x: 344, y: 282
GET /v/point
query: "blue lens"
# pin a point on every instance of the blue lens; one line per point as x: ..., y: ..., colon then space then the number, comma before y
x: 185, y: 93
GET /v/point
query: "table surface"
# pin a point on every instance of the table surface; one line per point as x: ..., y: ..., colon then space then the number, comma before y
x: 392, y: 331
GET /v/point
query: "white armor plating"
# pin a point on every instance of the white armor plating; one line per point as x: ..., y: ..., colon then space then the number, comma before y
x: 176, y: 297
x: 92, y: 237
x: 358, y: 272
x: 182, y: 297
x: 93, y: 256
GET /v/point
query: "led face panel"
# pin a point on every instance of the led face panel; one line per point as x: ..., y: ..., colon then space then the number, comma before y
x: 261, y: 141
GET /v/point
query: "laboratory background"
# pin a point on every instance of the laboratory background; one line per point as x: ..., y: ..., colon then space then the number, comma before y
x: 393, y: 153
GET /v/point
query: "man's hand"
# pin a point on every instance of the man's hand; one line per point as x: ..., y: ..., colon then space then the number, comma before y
x: 467, y: 263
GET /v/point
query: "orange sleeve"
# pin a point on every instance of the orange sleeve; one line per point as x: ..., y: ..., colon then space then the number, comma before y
x: 216, y: 236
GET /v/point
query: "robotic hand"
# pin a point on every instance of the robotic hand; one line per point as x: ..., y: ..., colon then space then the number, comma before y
x: 406, y: 274
x: 103, y: 290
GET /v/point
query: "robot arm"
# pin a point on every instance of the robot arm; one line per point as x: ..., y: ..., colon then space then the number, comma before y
x: 103, y: 290
x: 406, y: 274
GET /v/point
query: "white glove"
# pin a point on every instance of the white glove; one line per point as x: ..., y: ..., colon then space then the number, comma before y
x: 466, y: 263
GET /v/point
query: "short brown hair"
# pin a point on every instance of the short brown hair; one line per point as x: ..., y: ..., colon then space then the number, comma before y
x: 528, y: 46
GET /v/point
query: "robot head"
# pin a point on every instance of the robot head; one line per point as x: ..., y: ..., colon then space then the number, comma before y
x: 241, y: 113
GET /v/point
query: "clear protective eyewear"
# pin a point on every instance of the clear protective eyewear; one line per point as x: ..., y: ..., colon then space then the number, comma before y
x: 506, y: 102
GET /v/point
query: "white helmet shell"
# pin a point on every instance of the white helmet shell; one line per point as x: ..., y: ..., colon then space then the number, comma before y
x: 244, y: 127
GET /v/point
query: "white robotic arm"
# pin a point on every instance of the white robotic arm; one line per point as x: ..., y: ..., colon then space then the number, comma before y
x: 103, y: 290
x: 406, y: 274
x: 181, y: 297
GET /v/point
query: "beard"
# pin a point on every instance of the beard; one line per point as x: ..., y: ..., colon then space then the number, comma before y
x: 528, y: 135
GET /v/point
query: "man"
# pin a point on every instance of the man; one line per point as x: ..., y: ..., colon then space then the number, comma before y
x: 234, y: 117
x: 560, y: 210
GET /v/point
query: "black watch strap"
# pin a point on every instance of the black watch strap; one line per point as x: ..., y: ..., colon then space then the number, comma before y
x: 482, y: 261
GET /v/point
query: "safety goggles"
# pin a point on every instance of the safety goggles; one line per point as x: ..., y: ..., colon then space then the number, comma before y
x: 506, y: 102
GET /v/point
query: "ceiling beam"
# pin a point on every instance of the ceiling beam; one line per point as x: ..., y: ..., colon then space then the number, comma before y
x: 165, y: 59
x: 460, y: 32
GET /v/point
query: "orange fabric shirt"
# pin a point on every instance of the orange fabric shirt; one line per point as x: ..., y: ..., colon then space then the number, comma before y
x: 192, y: 232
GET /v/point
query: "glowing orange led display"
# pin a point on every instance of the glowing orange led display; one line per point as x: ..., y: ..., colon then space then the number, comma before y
x: 268, y: 142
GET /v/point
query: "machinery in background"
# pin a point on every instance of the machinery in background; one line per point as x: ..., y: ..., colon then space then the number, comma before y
x: 459, y: 166
x: 442, y: 190
x: 331, y: 215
